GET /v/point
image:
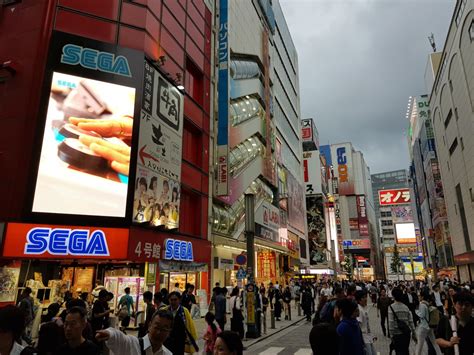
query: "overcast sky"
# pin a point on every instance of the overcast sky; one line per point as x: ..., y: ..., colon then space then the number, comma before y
x: 359, y: 61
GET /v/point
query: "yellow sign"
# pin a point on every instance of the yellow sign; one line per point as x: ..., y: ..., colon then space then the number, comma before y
x: 250, y: 308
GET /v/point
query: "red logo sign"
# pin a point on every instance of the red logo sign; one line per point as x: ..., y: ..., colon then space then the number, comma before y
x: 394, y: 197
x: 306, y: 133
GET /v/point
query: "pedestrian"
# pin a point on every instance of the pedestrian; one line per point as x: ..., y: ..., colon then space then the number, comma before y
x: 212, y: 303
x: 158, y: 300
x: 439, y: 298
x: 126, y: 308
x: 152, y: 343
x: 220, y: 308
x: 183, y: 335
x: 323, y: 336
x: 449, y: 303
x: 278, y: 304
x: 100, y: 311
x: 373, y: 294
x: 424, y: 329
x: 364, y: 322
x: 317, y: 315
x: 164, y: 292
x: 26, y: 305
x: 228, y: 343
x: 306, y: 301
x: 400, y: 324
x: 463, y: 305
x: 12, y: 326
x: 149, y: 311
x: 176, y: 288
x: 326, y: 290
x: 265, y: 303
x: 271, y: 294
x: 74, y: 326
x: 382, y: 310
x: 188, y: 298
x: 237, y: 318
x: 85, y: 298
x: 210, y: 335
x: 287, y: 302
x: 348, y: 330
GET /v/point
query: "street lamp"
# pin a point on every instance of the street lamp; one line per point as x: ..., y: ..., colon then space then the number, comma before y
x: 251, y: 294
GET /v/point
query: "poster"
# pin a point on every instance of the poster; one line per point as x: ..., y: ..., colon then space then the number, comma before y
x: 402, y: 214
x: 8, y: 282
x: 316, y: 230
x: 295, y: 203
x: 88, y: 112
x: 158, y: 176
x: 83, y: 279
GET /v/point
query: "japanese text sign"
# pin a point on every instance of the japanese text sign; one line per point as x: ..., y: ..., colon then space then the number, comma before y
x: 394, y: 197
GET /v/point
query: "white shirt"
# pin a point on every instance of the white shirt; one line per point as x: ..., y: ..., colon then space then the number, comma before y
x: 121, y: 344
x: 438, y: 299
x: 326, y: 291
x: 16, y: 349
x: 363, y: 319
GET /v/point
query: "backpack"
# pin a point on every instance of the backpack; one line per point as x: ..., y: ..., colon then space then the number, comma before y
x: 327, y: 311
x: 434, y: 317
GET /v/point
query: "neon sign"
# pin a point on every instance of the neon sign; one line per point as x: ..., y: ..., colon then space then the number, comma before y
x: 64, y: 241
x: 178, y: 250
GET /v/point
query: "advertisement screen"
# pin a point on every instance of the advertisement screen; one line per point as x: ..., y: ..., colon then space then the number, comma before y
x: 85, y: 151
x: 405, y: 233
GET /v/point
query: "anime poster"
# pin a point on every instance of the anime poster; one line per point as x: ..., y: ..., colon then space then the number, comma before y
x: 316, y: 230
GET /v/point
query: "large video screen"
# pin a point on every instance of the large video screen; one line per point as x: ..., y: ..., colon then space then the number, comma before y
x: 85, y: 152
x: 405, y: 233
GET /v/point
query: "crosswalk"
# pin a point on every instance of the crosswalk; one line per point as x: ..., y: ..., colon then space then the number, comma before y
x: 275, y: 350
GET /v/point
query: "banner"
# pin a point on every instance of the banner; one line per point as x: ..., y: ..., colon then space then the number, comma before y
x: 158, y: 174
x: 266, y: 265
x: 362, y: 214
x: 316, y: 230
x: 343, y: 169
x: 312, y: 172
x: 295, y: 203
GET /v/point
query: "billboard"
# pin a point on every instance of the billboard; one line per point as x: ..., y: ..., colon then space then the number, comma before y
x: 295, y: 203
x: 362, y: 216
x: 158, y: 175
x: 394, y: 197
x: 88, y: 111
x: 405, y: 233
x: 310, y: 135
x: 316, y: 230
x: 356, y: 243
x: 312, y: 172
x: 343, y: 169
x: 222, y: 186
x: 402, y: 214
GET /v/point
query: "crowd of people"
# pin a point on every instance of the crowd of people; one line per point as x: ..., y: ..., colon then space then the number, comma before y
x: 439, y: 317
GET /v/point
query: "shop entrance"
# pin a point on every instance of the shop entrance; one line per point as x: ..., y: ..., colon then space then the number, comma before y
x: 169, y: 279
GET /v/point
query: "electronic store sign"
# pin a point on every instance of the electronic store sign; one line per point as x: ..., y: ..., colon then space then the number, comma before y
x: 87, y: 118
x: 35, y: 241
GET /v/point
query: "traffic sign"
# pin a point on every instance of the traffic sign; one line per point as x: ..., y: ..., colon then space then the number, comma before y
x: 241, y: 274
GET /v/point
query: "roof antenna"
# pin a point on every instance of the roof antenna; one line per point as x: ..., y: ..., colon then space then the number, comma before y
x: 432, y: 42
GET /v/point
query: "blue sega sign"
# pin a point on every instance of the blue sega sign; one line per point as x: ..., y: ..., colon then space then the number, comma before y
x: 178, y: 250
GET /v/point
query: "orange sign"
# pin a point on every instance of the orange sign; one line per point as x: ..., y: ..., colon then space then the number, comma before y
x: 35, y: 241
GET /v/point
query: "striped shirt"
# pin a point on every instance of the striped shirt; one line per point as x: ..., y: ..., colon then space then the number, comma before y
x: 403, y: 314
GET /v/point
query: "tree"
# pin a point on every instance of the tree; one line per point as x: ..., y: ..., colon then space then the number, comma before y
x: 396, y: 261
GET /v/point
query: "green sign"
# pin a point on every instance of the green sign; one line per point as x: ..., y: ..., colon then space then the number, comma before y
x: 150, y: 273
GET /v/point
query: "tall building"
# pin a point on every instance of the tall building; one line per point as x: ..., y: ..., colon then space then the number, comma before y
x: 105, y: 170
x: 395, y: 212
x: 354, y: 210
x: 258, y: 147
x: 452, y: 112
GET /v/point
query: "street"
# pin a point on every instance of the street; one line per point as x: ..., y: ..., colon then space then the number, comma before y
x: 295, y: 340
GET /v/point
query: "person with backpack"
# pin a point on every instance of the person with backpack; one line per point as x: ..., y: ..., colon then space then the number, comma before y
x: 348, y: 330
x: 382, y: 309
x: 126, y: 308
x: 429, y: 319
x: 400, y: 324
x: 153, y: 342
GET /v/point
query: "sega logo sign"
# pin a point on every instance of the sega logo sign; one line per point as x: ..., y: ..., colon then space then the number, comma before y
x: 96, y: 60
x: 63, y: 241
x: 178, y: 250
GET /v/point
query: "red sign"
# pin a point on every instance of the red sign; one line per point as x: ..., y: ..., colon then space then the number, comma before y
x: 354, y: 223
x: 394, y: 197
x: 39, y: 241
x: 307, y: 133
x: 266, y: 267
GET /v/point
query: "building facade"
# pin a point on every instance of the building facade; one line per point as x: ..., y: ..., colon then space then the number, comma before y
x: 258, y: 146
x: 452, y: 110
x: 109, y: 109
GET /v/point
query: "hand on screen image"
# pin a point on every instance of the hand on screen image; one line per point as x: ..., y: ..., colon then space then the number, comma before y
x: 116, y: 127
x: 117, y: 155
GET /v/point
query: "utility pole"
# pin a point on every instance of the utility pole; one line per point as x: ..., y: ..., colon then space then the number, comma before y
x: 412, y: 266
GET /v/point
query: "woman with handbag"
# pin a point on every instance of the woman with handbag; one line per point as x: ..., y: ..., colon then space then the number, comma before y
x: 237, y: 318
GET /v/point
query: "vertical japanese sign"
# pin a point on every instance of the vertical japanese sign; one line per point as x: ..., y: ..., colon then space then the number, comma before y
x: 158, y: 179
x: 222, y: 186
x: 362, y: 214
x: 312, y: 172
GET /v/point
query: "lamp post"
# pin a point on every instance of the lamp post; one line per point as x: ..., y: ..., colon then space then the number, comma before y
x: 251, y: 292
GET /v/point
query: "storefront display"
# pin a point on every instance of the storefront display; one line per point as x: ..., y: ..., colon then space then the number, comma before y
x: 9, y: 276
x: 117, y: 285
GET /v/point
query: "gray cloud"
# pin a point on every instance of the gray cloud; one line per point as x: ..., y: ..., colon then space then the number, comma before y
x: 359, y: 61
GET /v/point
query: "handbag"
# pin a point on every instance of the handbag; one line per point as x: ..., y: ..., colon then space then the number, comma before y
x: 404, y: 328
x: 123, y: 312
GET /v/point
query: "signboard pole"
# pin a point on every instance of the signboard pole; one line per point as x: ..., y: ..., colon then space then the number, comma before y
x: 252, y: 322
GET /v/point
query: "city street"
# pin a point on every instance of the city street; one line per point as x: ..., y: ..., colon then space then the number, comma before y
x: 295, y: 340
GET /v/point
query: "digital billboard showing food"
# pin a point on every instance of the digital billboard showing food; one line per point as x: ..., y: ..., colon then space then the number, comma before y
x: 89, y: 118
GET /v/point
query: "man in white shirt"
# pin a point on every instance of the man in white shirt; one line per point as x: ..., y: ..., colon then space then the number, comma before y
x: 363, y: 318
x: 326, y: 290
x: 438, y: 299
x: 152, y: 344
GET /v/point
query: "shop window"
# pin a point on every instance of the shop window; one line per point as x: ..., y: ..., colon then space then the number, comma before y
x: 192, y: 144
x: 194, y: 82
x: 190, y: 221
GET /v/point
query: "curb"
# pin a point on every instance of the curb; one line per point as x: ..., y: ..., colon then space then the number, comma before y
x: 266, y: 336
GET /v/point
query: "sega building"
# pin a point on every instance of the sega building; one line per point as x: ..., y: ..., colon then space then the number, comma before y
x: 105, y: 173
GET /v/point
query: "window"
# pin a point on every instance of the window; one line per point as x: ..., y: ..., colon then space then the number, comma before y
x: 386, y: 214
x: 448, y: 119
x: 387, y: 223
x: 387, y: 231
x: 194, y: 82
x: 192, y: 144
x: 453, y: 146
x: 462, y: 213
